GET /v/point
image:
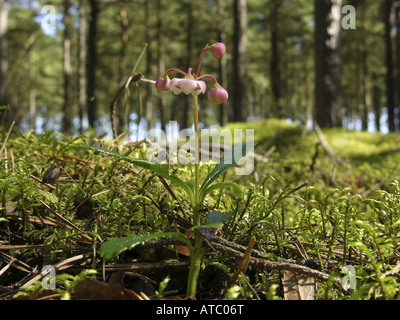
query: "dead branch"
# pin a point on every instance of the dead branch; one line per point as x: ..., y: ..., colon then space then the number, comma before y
x: 329, y: 151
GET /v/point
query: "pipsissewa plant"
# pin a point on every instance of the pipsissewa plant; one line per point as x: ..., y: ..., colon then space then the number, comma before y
x: 193, y: 84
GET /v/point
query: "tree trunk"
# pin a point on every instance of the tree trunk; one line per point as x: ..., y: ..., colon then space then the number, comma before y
x: 275, y: 73
x: 32, y: 90
x: 239, y: 61
x: 92, y: 64
x: 122, y: 66
x: 82, y: 63
x: 161, y: 66
x: 184, y: 123
x: 327, y: 63
x: 67, y: 108
x: 150, y: 68
x: 222, y: 72
x: 3, y: 51
x: 397, y: 90
x: 390, y: 100
x: 376, y: 100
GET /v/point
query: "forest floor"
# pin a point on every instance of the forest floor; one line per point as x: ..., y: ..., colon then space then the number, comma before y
x: 320, y: 211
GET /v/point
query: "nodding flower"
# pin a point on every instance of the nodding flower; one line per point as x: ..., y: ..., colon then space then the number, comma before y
x: 192, y: 83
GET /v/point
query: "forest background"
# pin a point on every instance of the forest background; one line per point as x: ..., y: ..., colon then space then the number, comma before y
x: 62, y: 62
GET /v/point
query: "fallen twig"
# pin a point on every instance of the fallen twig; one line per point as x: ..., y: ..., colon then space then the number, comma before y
x: 264, y: 264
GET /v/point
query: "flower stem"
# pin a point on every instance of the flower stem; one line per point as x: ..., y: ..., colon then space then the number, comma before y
x: 195, y: 265
x: 196, y: 254
x: 201, y: 58
x: 197, y: 161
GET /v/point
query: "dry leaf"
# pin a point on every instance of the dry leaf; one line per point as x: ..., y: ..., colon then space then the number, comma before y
x: 92, y: 289
x: 298, y: 286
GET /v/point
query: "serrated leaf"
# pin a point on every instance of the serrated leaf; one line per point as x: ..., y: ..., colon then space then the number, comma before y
x: 113, y: 248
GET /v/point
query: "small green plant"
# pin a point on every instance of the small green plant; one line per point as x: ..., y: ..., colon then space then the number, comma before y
x: 196, y: 192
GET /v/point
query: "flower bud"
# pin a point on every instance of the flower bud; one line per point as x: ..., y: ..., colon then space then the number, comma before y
x: 218, y: 50
x: 217, y: 95
x: 163, y: 84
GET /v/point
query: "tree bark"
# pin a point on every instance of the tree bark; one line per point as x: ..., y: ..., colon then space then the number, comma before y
x: 122, y: 66
x: 32, y: 89
x: 390, y: 98
x: 275, y: 73
x: 186, y: 101
x: 161, y: 66
x: 82, y: 64
x: 150, y: 67
x: 327, y: 63
x: 67, y: 108
x: 3, y: 51
x: 222, y: 72
x: 239, y: 98
x: 92, y: 63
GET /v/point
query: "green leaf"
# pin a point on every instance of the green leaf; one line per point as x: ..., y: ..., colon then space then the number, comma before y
x: 156, y: 168
x: 113, y: 248
x: 230, y: 159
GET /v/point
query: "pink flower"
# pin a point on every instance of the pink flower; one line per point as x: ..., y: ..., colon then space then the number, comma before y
x: 218, y: 50
x: 188, y: 86
x: 217, y: 95
x: 175, y: 85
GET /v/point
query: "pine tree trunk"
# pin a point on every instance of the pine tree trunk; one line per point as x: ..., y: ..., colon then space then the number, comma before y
x: 327, y: 63
x: 122, y: 66
x: 67, y: 108
x: 239, y: 98
x: 82, y: 63
x: 222, y: 70
x: 92, y: 64
x: 3, y: 51
x: 275, y: 74
x: 161, y: 67
x: 390, y: 100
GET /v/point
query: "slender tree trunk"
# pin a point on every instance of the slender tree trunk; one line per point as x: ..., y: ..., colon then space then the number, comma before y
x: 376, y: 100
x: 150, y: 68
x: 67, y: 109
x: 82, y: 64
x: 275, y: 54
x: 366, y: 78
x: 397, y: 91
x: 222, y: 70
x: 160, y: 56
x: 189, y: 28
x: 32, y: 90
x: 3, y: 51
x: 239, y: 61
x: 92, y: 63
x: 327, y: 63
x: 122, y: 66
x: 390, y: 98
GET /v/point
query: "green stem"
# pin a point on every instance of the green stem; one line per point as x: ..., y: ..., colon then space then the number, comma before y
x: 196, y: 218
x: 195, y: 265
x: 196, y: 254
